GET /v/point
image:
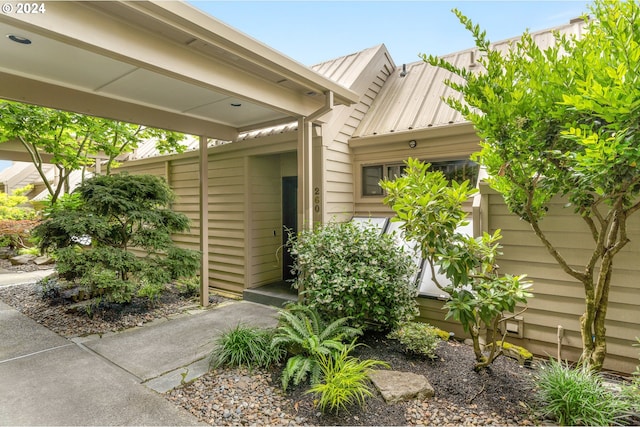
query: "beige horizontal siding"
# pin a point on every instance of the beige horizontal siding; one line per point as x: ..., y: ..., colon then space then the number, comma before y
x: 558, y: 298
x: 338, y: 181
x: 226, y: 222
x: 459, y: 146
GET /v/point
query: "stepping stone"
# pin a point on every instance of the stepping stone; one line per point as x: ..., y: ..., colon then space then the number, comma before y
x: 43, y: 260
x: 397, y: 386
x: 22, y: 259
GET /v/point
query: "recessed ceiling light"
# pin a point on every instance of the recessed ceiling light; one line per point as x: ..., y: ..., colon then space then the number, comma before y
x: 236, y: 104
x: 18, y: 39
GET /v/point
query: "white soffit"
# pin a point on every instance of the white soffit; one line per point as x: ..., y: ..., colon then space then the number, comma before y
x: 182, y: 96
x: 49, y: 59
x: 162, y: 64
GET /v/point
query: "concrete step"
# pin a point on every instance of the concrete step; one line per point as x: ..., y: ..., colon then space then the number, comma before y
x: 274, y: 294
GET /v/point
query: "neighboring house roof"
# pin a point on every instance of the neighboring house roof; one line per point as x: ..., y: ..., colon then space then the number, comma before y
x: 21, y: 174
x: 412, y: 97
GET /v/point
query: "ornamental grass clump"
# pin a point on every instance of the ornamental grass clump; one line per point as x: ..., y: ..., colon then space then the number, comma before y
x: 245, y: 346
x: 344, y: 270
x: 345, y: 380
x: 578, y: 396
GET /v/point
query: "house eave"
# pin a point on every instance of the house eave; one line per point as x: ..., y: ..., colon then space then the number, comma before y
x: 413, y: 134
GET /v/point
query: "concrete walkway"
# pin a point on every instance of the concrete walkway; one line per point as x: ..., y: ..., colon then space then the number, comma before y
x: 10, y: 278
x: 115, y: 379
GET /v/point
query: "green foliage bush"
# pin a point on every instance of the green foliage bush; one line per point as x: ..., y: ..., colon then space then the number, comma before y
x: 112, y: 215
x: 417, y: 338
x: 632, y: 390
x: 245, y: 346
x: 345, y: 380
x: 578, y: 396
x: 12, y: 205
x: 348, y: 271
x: 188, y: 286
x: 307, y: 337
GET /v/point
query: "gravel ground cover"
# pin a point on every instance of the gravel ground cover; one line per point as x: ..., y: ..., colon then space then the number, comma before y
x: 501, y: 395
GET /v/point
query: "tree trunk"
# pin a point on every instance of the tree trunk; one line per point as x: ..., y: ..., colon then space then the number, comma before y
x: 592, y: 322
x: 475, y: 338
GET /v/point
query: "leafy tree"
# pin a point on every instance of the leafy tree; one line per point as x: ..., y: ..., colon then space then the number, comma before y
x: 564, y: 121
x: 431, y: 210
x: 74, y: 139
x: 117, y: 213
x: 16, y: 233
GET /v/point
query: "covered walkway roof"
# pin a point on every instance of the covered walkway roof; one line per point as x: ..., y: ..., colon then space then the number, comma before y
x: 157, y: 63
x: 163, y: 64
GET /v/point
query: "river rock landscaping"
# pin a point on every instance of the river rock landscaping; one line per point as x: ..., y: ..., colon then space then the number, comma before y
x: 500, y: 395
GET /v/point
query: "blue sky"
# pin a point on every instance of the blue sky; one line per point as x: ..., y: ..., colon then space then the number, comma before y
x: 315, y: 31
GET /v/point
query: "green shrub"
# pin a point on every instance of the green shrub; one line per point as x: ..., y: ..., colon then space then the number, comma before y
x: 348, y: 271
x: 417, y: 338
x: 49, y: 287
x: 29, y: 251
x: 577, y: 396
x: 431, y: 209
x: 345, y: 380
x: 304, y: 335
x: 188, y: 286
x: 245, y: 346
x: 632, y: 390
x: 112, y: 214
x: 10, y: 205
x: 151, y: 291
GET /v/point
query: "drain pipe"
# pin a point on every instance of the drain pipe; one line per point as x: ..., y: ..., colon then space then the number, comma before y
x: 305, y: 161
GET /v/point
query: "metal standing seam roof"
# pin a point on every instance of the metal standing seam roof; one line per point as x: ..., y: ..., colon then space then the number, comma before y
x: 343, y: 70
x: 415, y: 101
x: 412, y: 102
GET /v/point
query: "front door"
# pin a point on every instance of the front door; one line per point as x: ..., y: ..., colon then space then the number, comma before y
x: 289, y: 221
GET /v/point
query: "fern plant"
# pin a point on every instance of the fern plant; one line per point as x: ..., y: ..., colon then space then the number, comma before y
x: 345, y: 380
x: 305, y: 335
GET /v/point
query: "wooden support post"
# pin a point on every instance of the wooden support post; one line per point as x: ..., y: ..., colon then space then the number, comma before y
x: 204, y: 222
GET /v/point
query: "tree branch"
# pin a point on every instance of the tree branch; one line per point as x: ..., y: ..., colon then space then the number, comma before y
x: 37, y: 161
x: 532, y: 219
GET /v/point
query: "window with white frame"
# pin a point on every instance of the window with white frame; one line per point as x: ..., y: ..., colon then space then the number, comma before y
x: 454, y: 170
